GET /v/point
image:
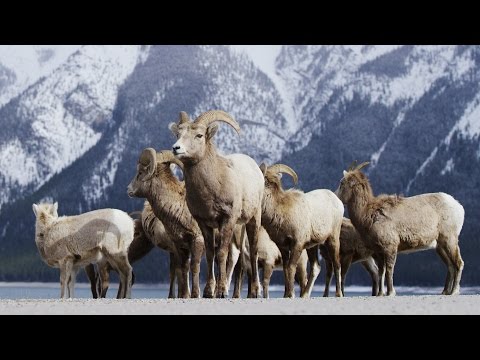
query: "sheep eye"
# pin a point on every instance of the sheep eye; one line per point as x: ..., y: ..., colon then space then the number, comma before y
x: 41, y: 235
x: 199, y: 136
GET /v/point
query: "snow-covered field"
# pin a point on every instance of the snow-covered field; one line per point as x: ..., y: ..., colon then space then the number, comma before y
x: 425, y: 304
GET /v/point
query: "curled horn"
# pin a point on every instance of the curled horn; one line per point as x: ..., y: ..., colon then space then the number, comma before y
x: 183, y: 118
x: 362, y: 165
x: 166, y: 156
x: 209, y: 117
x: 281, y: 168
x: 148, y: 158
x: 352, y: 166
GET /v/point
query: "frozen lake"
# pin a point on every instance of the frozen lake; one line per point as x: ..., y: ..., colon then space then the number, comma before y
x: 153, y: 291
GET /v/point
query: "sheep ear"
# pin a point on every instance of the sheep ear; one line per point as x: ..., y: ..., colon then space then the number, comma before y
x: 263, y: 168
x: 35, y: 209
x: 173, y: 128
x: 55, y: 207
x: 211, y: 130
x: 344, y: 173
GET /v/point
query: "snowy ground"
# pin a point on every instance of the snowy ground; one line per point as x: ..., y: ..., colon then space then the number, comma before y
x: 425, y: 304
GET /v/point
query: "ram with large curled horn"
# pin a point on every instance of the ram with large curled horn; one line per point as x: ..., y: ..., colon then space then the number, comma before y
x: 156, y: 182
x: 222, y: 191
x: 298, y: 221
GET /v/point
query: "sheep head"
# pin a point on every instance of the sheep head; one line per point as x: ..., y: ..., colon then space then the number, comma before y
x: 352, y: 179
x: 150, y: 164
x: 43, y: 210
x: 44, y: 213
x: 273, y: 175
x: 194, y: 138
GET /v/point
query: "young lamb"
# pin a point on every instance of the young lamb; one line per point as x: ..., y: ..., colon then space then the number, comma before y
x: 269, y: 259
x: 352, y: 250
x: 297, y: 221
x: 166, y: 194
x: 222, y: 191
x: 72, y: 242
x: 394, y: 224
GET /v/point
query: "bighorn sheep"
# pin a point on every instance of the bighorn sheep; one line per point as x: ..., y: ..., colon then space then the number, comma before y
x: 71, y: 242
x: 269, y: 259
x: 296, y: 221
x: 222, y: 191
x: 139, y: 247
x: 166, y: 194
x: 393, y: 224
x: 149, y: 233
x: 352, y: 250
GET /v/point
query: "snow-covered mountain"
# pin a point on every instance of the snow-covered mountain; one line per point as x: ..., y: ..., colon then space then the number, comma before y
x: 413, y: 111
x: 22, y: 65
x: 58, y: 119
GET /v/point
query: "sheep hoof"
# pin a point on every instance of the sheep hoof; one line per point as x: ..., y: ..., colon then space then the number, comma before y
x: 455, y: 292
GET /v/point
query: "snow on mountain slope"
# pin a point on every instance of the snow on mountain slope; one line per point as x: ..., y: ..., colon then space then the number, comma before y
x: 252, y: 98
x: 63, y: 115
x: 23, y: 65
x: 264, y: 57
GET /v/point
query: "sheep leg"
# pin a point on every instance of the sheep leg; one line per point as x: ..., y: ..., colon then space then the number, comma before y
x: 209, y: 237
x: 267, y: 274
x: 380, y: 260
x: 285, y: 260
x: 301, y: 277
x: 253, y: 228
x: 295, y: 254
x: 185, y: 269
x: 312, y: 254
x: 171, y: 291
x: 178, y: 271
x: 328, y: 277
x: 372, y: 269
x: 63, y: 280
x: 93, y: 278
x: 346, y: 262
x: 104, y: 274
x: 450, y: 271
x: 125, y: 270
x: 196, y: 251
x: 390, y: 259
x: 453, y: 253
x: 65, y: 273
x: 334, y: 251
x: 225, y: 238
x: 238, y: 279
x: 71, y: 282
x: 232, y: 261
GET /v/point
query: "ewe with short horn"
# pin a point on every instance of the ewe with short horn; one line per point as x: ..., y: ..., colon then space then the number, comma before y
x: 298, y: 221
x: 281, y: 168
x: 389, y: 224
